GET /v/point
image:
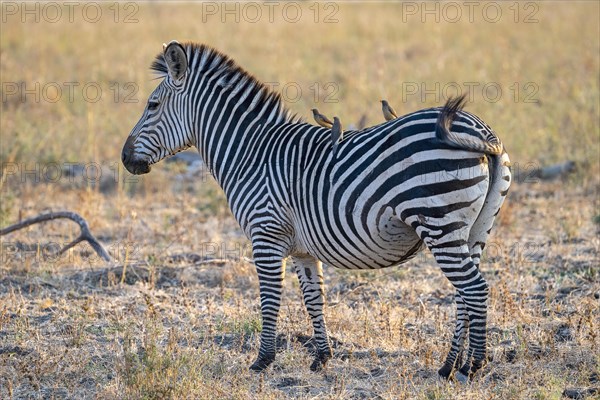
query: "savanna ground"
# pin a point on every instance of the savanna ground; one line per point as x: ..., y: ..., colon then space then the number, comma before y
x: 163, y: 324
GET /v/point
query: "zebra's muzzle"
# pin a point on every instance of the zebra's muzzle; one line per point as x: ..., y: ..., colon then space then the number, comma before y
x: 132, y: 163
x: 137, y: 167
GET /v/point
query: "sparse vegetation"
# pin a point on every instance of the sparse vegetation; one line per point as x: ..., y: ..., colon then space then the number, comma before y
x: 158, y: 326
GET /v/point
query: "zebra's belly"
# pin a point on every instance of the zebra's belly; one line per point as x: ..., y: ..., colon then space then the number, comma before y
x: 385, y: 242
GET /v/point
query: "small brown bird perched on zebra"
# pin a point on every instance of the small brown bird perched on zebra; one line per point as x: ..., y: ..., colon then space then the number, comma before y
x: 337, y: 133
x: 434, y: 178
x: 321, y: 119
x: 388, y: 112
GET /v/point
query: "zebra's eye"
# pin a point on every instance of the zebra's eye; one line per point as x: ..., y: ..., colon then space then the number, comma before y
x: 153, y: 105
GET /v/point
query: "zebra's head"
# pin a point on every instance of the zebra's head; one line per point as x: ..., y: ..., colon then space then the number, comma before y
x: 166, y: 124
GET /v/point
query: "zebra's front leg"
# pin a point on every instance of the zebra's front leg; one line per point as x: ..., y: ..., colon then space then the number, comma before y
x: 270, y: 278
x: 310, y: 275
x: 454, y: 358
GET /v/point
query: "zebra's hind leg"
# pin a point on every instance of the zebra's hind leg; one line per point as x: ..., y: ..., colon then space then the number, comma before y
x: 475, y: 298
x: 473, y: 290
x: 455, y: 355
x: 478, y: 236
x: 447, y: 236
x: 310, y: 275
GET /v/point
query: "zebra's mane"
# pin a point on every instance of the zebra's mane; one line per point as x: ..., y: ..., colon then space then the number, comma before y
x: 207, y: 60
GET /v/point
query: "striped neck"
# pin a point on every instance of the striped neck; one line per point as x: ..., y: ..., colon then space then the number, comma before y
x: 230, y: 107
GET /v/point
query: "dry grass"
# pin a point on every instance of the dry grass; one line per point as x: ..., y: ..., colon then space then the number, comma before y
x: 74, y: 328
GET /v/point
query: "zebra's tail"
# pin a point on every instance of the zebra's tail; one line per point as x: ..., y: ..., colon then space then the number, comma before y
x: 484, y: 141
x: 473, y: 135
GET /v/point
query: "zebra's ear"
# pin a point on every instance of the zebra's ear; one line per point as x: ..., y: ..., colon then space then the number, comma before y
x: 176, y: 59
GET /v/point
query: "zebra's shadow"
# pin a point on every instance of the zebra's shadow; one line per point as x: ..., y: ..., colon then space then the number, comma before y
x: 341, y: 350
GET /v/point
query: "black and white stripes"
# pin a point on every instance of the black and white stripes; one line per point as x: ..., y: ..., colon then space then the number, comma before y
x: 435, y: 178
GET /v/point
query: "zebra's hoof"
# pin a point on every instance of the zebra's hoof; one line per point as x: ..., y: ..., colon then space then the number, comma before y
x: 463, y: 374
x: 462, y: 378
x: 320, y: 361
x: 261, y: 364
x: 445, y: 371
x: 318, y: 365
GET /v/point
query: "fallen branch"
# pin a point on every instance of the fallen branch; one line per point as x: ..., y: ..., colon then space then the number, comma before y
x: 85, y: 234
x: 194, y: 259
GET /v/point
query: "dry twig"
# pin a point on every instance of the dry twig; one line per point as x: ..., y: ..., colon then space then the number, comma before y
x: 85, y: 234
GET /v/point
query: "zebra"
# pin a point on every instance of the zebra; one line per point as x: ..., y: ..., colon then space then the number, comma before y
x: 434, y: 178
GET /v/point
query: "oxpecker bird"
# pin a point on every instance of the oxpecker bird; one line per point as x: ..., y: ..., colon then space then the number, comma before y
x: 321, y: 119
x: 388, y: 111
x: 337, y: 134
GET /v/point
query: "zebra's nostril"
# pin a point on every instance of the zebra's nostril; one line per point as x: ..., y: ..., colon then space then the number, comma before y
x: 126, y: 155
x: 127, y: 152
